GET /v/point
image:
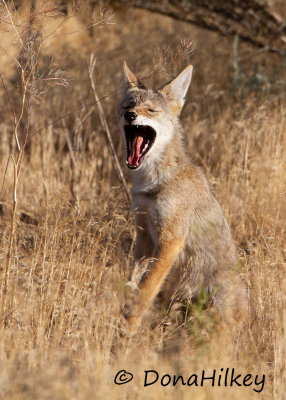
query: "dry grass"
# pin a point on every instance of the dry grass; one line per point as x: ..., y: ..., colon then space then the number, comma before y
x: 74, y: 234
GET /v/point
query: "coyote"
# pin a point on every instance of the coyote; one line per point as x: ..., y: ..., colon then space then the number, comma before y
x: 181, y: 233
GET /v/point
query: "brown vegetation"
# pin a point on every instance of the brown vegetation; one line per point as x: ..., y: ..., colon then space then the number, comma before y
x: 72, y: 231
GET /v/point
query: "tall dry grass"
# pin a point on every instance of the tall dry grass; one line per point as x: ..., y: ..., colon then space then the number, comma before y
x: 74, y: 233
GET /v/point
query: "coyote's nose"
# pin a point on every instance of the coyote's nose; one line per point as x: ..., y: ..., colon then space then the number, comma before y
x: 130, y: 116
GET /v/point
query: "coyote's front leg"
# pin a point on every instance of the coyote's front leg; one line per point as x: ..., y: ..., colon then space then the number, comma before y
x: 152, y: 280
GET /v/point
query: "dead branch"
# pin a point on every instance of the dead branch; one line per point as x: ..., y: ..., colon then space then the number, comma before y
x: 106, y: 128
x: 253, y: 21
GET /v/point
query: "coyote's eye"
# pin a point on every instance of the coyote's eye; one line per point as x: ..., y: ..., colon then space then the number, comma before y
x: 152, y: 110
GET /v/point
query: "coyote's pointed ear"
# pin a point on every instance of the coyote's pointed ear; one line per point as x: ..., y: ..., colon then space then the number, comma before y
x: 176, y: 90
x: 129, y: 81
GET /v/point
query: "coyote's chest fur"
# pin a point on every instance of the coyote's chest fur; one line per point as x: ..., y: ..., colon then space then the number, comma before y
x: 182, y: 238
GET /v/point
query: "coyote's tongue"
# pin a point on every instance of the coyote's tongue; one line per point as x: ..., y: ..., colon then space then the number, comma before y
x: 135, y: 150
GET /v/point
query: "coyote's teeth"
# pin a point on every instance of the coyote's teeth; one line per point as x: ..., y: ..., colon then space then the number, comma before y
x: 139, y: 140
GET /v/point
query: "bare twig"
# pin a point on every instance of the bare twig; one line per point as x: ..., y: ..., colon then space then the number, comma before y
x: 70, y: 146
x: 106, y: 128
x: 4, y: 175
x: 12, y: 22
x: 13, y: 225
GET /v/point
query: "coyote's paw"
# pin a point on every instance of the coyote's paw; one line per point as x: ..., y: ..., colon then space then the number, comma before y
x: 134, y: 310
x: 131, y: 298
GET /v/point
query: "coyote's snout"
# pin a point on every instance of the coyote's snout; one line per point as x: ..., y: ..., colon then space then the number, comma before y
x: 182, y: 234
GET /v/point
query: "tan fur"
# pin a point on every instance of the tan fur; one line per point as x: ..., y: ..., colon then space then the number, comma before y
x: 182, y: 234
x: 142, y: 111
x: 176, y: 109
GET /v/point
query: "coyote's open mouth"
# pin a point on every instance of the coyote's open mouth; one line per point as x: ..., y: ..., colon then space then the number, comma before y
x: 139, y: 140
